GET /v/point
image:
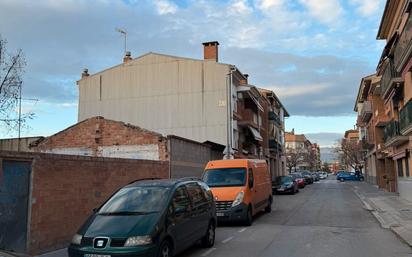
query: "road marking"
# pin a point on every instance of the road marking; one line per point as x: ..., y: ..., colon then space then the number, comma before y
x: 208, y: 251
x: 227, y: 240
x: 243, y: 229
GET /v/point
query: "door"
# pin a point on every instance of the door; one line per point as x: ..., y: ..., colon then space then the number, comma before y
x: 14, y: 196
x: 200, y: 210
x: 181, y: 219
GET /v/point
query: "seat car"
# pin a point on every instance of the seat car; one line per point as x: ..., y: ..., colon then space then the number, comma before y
x: 284, y: 184
x: 351, y: 176
x: 149, y: 218
x: 241, y: 188
x: 299, y: 179
x: 307, y: 176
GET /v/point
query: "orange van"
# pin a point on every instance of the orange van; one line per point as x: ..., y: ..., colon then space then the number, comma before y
x: 241, y: 188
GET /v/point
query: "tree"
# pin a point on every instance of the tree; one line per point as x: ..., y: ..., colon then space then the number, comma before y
x: 351, y: 154
x: 325, y: 167
x: 11, y: 78
x: 294, y: 157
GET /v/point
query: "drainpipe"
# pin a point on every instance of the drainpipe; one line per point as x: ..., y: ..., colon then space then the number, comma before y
x: 229, y: 140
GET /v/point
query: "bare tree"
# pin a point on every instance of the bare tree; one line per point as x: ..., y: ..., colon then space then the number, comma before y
x: 11, y: 78
x: 294, y: 157
x: 351, y: 154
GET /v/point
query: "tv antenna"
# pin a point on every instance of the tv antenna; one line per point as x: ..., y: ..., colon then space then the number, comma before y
x: 124, y: 33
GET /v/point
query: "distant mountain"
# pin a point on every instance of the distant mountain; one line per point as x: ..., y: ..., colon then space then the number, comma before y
x: 327, y: 142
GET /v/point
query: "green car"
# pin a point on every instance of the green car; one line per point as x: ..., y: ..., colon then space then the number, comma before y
x: 149, y: 218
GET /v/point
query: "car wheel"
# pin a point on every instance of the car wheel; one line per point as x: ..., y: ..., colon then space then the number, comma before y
x: 249, y: 217
x: 341, y: 179
x: 209, y: 239
x: 268, y: 208
x: 165, y: 249
x: 293, y: 191
x: 361, y: 179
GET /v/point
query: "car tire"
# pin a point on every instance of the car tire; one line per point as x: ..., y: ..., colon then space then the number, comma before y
x: 361, y: 179
x: 209, y: 239
x: 342, y: 180
x: 268, y: 208
x: 165, y: 249
x: 249, y: 217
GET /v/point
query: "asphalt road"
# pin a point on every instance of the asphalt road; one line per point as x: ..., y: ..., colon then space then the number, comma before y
x: 325, y: 219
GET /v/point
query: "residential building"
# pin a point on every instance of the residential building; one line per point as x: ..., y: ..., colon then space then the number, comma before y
x: 316, y: 159
x: 395, y: 67
x: 201, y: 100
x: 300, y: 148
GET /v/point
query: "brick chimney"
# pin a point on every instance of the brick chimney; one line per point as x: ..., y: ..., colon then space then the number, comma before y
x: 210, y: 51
x: 85, y: 73
x: 127, y: 57
x: 245, y: 80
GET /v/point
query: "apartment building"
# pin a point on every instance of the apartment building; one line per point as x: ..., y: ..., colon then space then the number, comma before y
x: 201, y: 100
x: 384, y: 104
x: 300, y: 148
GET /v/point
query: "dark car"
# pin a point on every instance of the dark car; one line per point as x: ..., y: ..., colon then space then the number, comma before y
x: 284, y: 184
x: 352, y: 176
x: 307, y: 176
x: 316, y: 176
x: 149, y: 218
x: 298, y: 178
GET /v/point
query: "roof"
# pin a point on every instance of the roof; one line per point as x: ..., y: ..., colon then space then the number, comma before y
x: 351, y: 131
x: 360, y: 90
x: 267, y: 91
x: 289, y: 137
x: 160, y: 182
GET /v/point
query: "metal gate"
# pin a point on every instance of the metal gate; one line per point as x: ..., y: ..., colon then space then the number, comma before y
x: 14, y: 196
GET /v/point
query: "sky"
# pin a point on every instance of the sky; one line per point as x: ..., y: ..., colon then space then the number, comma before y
x: 312, y: 53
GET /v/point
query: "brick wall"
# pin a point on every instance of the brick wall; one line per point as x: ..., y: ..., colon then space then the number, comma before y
x: 99, y: 132
x: 65, y: 189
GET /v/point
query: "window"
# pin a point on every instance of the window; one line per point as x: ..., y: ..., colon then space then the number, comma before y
x: 196, y: 193
x: 407, y: 164
x: 181, y: 199
x: 251, y: 179
x: 400, y: 168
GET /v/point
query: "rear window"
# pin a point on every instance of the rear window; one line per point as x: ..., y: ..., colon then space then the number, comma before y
x: 225, y: 177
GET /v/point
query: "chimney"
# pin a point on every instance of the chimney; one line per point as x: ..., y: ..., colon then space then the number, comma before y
x: 210, y: 51
x: 127, y: 57
x: 85, y: 73
x: 293, y: 131
x: 244, y: 81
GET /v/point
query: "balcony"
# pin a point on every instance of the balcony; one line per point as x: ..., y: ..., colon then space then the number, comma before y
x: 366, y: 111
x: 274, y: 146
x: 274, y: 117
x: 403, y: 49
x: 405, y: 119
x: 390, y: 78
x: 392, y: 134
x: 248, y: 118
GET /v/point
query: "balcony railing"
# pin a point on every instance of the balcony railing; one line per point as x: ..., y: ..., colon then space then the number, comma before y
x: 273, y: 116
x: 403, y: 47
x: 392, y: 134
x: 366, y: 111
x: 390, y: 77
x: 405, y: 119
x: 274, y: 146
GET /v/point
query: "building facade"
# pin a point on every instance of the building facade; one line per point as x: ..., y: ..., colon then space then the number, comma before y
x: 300, y: 152
x: 201, y: 100
x: 385, y: 105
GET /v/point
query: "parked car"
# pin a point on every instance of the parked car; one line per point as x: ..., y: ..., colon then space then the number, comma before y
x: 149, y: 218
x: 323, y: 175
x: 315, y: 176
x: 299, y: 179
x: 284, y: 184
x: 241, y: 188
x: 307, y: 176
x: 343, y: 176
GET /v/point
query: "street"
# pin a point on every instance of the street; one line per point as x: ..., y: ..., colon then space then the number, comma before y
x: 323, y: 219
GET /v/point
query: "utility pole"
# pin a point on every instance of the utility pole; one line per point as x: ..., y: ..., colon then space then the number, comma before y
x: 19, y: 122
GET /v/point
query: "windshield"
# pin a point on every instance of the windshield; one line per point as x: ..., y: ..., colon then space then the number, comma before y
x: 225, y: 177
x: 136, y: 200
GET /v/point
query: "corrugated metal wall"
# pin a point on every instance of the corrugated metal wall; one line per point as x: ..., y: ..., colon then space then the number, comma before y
x: 169, y: 95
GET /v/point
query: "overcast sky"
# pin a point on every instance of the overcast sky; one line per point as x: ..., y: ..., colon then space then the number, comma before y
x: 312, y: 53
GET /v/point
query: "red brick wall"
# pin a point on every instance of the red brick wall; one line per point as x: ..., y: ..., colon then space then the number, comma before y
x: 97, y: 131
x: 65, y: 189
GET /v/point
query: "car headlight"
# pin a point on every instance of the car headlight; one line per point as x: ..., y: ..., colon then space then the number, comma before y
x: 138, y: 240
x: 239, y: 199
x: 76, y: 240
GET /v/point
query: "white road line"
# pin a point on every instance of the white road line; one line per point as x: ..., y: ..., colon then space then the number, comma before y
x: 208, y: 251
x: 243, y: 229
x: 227, y: 240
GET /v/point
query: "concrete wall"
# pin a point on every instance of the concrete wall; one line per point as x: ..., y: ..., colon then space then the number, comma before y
x: 165, y: 94
x: 189, y: 158
x: 65, y: 189
x: 12, y: 144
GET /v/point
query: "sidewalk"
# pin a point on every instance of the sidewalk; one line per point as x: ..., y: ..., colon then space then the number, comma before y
x: 389, y: 209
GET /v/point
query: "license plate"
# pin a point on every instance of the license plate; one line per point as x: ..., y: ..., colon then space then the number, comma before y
x: 220, y: 214
x: 281, y: 189
x: 96, y: 255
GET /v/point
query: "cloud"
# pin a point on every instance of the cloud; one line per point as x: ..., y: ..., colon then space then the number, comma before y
x: 303, y: 90
x: 165, y: 7
x: 367, y: 7
x: 327, y: 12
